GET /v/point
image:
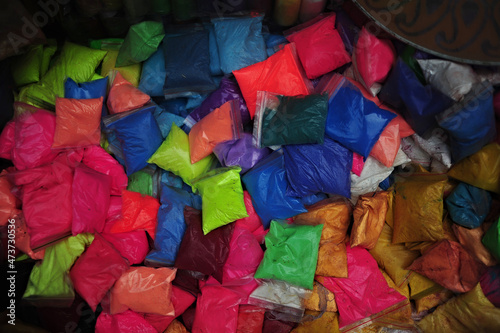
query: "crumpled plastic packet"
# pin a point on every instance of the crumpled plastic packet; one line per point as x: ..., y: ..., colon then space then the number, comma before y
x: 369, y: 218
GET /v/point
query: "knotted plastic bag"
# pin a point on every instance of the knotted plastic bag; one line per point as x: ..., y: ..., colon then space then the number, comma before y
x: 291, y: 254
x: 281, y: 74
x: 144, y: 289
x: 468, y: 205
x: 123, y: 96
x: 266, y: 183
x: 128, y: 321
x: 369, y: 218
x: 87, y: 90
x: 220, y: 125
x: 239, y: 41
x: 173, y: 155
x: 335, y: 215
x: 281, y: 120
x: 132, y: 245
x: 95, y: 272
x: 206, y: 254
x: 141, y: 42
x: 491, y: 240
x: 318, y: 168
x: 153, y: 74
x: 99, y: 160
x: 90, y: 200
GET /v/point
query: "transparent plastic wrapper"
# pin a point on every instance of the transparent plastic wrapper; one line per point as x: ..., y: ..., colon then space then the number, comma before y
x: 187, y: 64
x: 144, y: 289
x: 470, y: 122
x: 251, y: 223
x: 240, y: 152
x: 99, y: 160
x: 266, y: 183
x: 470, y: 239
x: 128, y: 321
x: 469, y: 312
x: 418, y: 208
x: 373, y: 59
x: 335, y: 215
x: 171, y: 226
x: 141, y: 42
x: 418, y: 103
x: 138, y: 212
x: 318, y: 168
x: 49, y: 282
x: 281, y: 297
x: 123, y: 96
x: 321, y: 299
x: 283, y: 120
x: 222, y: 124
x: 291, y: 254
x: 9, y: 204
x: 228, y: 90
x: 206, y: 254
x: 393, y: 258
x: 26, y: 68
x: 132, y: 245
x: 468, y: 205
x: 281, y: 74
x: 78, y: 122
x: 491, y: 240
x: 455, y: 80
x: 352, y: 120
x: 436, y: 146
x: 7, y: 140
x: 173, y: 155
x: 319, y: 46
x: 369, y: 218
x: 373, y: 303
x: 95, y: 272
x: 240, y: 42
x: 153, y: 74
x: 87, y: 90
x: 386, y: 148
x: 481, y: 169
x: 490, y: 284
x: 90, y: 200
x: 138, y: 134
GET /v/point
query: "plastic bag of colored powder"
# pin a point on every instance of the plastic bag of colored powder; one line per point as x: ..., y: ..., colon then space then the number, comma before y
x: 139, y: 212
x: 95, y: 272
x: 470, y: 239
x: 318, y: 168
x: 127, y: 321
x: 49, y: 278
x: 87, y: 90
x: 98, y: 159
x: 291, y: 254
x: 371, y: 176
x: 78, y: 122
x: 26, y: 68
x: 281, y: 120
x: 153, y: 74
x: 220, y: 125
x: 375, y: 296
x: 23, y: 239
x: 418, y: 210
x: 222, y: 197
x: 450, y: 265
x: 321, y: 299
x: 418, y: 103
x: 240, y: 152
x: 436, y: 146
x: 335, y: 215
x: 471, y: 122
x: 187, y: 64
x: 481, y: 169
x: 216, y: 310
x: 140, y: 181
x: 132, y: 245
x: 386, y: 148
x: 141, y: 42
x: 139, y: 136
x: 281, y: 74
x: 144, y: 289
x: 214, y: 51
x: 173, y: 155
x: 239, y: 41
x: 468, y: 205
x: 203, y: 253
x: 490, y: 284
x: 228, y: 90
x: 251, y: 223
x: 373, y: 59
x: 33, y: 138
x: 130, y: 73
x: 165, y: 119
x: 123, y: 96
x: 369, y: 218
x: 171, y: 225
x: 90, y: 200
x: 469, y: 312
x: 250, y: 319
x: 266, y: 183
x: 353, y: 120
x: 7, y: 140
x: 8, y: 201
x: 491, y: 240
x: 320, y: 47
x: 48, y: 183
